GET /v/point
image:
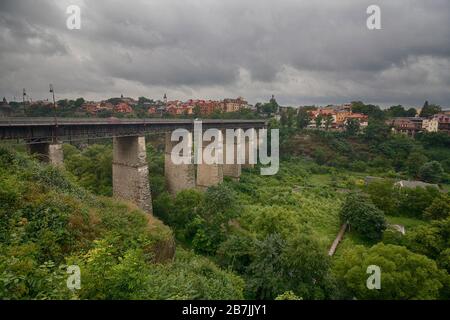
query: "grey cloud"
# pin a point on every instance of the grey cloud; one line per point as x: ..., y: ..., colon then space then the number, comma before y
x: 201, y: 47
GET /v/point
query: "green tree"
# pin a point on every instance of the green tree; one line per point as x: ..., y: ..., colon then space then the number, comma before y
x: 429, y: 109
x: 290, y: 117
x: 186, y: 205
x: 376, y: 131
x: 237, y: 251
x: 444, y: 260
x: 265, y: 273
x: 411, y: 112
x: 306, y: 267
x: 318, y: 120
x: 92, y: 167
x: 284, y: 119
x: 303, y: 119
x: 210, y: 226
x: 270, y: 107
x: 399, y: 111
x: 328, y: 121
x: 430, y: 239
x: 439, y: 209
x: 363, y: 217
x: 384, y: 195
x: 196, y: 111
x: 404, y: 275
x: 374, y: 112
x: 431, y: 172
x: 412, y: 202
x: 78, y: 103
x: 396, y: 111
x: 415, y: 161
x: 352, y: 127
x: 299, y: 265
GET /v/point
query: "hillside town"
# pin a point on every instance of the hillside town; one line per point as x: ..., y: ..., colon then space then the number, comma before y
x: 330, y: 117
x: 169, y: 107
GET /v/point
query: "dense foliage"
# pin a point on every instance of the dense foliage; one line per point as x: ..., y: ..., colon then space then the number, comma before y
x: 270, y: 233
x: 48, y: 222
x: 363, y: 217
x: 404, y: 275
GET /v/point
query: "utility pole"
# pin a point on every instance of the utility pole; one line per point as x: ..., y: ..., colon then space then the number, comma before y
x: 23, y: 102
x: 52, y: 91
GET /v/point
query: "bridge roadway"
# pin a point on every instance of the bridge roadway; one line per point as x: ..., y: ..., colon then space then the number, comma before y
x: 44, y: 130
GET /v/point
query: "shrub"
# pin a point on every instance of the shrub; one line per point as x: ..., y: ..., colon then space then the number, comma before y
x: 439, y: 208
x: 412, y: 202
x: 431, y: 172
x: 384, y: 195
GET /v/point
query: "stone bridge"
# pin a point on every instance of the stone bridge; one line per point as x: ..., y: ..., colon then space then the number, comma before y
x: 44, y: 137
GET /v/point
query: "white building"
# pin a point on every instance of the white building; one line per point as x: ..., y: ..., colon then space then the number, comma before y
x: 430, y: 125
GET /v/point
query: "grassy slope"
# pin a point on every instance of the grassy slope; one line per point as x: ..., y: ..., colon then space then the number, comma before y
x: 294, y: 198
x: 48, y: 222
x: 304, y: 196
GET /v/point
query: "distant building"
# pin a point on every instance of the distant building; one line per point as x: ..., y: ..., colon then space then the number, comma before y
x: 413, y: 125
x: 340, y: 115
x: 430, y: 125
x: 233, y: 105
x: 123, y: 108
x: 407, y: 125
x: 174, y: 109
x: 443, y: 121
x: 105, y: 106
x: 152, y: 110
x: 362, y: 119
x: 90, y: 107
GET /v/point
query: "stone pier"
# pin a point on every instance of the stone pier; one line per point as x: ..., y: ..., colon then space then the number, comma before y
x: 130, y: 171
x: 179, y: 176
x: 48, y: 152
x: 209, y: 174
x: 251, y: 149
x: 233, y: 169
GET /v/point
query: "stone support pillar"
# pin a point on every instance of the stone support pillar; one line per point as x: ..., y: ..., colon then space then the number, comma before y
x: 179, y: 176
x: 48, y: 152
x: 209, y: 174
x: 231, y: 167
x: 130, y: 171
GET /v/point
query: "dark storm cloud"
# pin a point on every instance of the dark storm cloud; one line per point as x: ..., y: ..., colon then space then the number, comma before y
x: 302, y: 51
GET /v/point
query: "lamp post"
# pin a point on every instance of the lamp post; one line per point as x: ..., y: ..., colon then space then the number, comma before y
x: 52, y: 91
x: 24, y: 93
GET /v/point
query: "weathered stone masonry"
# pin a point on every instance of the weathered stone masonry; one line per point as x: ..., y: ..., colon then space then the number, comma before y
x: 48, y: 152
x: 178, y: 176
x: 231, y: 170
x: 208, y: 174
x: 130, y: 171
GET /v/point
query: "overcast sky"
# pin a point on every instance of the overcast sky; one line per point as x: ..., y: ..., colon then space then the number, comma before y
x: 302, y: 51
